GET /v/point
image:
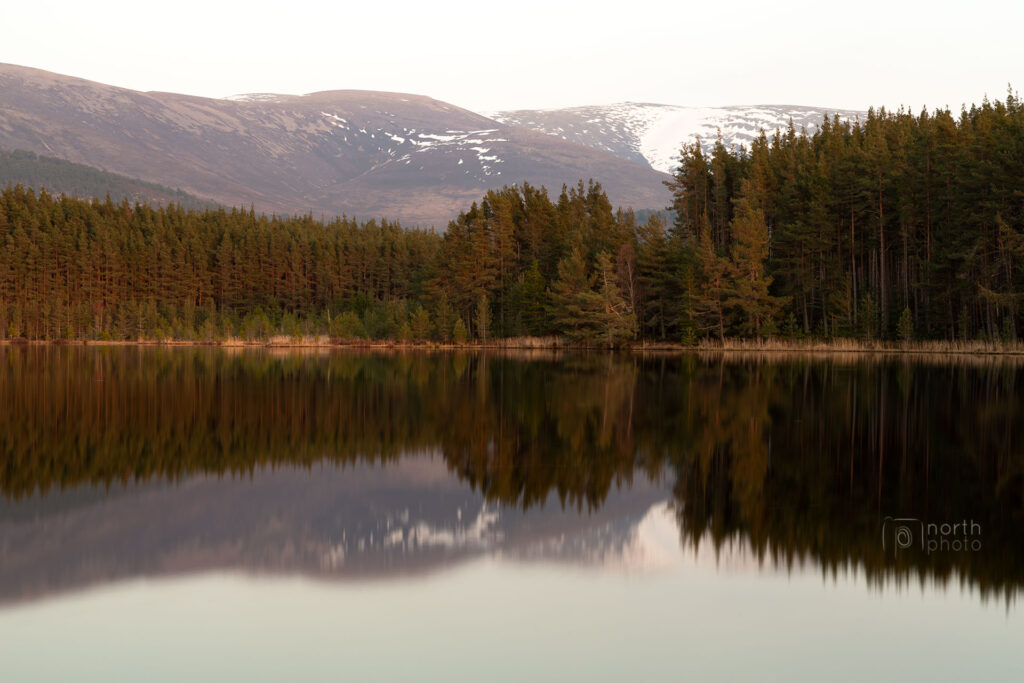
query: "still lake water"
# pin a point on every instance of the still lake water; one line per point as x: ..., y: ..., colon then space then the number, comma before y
x: 209, y: 514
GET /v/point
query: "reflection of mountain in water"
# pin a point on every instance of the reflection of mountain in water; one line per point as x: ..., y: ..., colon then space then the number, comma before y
x: 628, y: 543
x: 798, y: 459
x: 410, y: 516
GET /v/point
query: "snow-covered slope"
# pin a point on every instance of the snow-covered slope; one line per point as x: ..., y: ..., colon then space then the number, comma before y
x: 654, y: 133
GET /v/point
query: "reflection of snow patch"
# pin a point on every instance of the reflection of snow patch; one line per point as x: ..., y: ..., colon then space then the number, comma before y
x: 654, y: 544
x: 650, y: 544
x: 333, y: 558
x: 481, y: 533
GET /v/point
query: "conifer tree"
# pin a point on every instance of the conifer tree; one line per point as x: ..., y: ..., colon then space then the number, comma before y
x: 533, y: 296
x: 618, y: 322
x: 483, y: 317
x: 574, y: 304
x: 905, y: 327
x: 420, y: 324
x: 711, y: 288
x: 459, y: 332
x: 655, y: 273
x: 747, y: 288
x: 691, y: 190
x: 444, y: 317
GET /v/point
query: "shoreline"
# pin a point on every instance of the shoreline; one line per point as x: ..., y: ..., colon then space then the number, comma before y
x: 737, y: 346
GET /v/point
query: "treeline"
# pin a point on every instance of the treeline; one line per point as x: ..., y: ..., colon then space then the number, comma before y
x: 517, y: 264
x: 896, y: 226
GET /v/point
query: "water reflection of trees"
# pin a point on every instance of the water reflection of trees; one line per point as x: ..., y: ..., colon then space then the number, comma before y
x: 800, y: 458
x: 803, y: 461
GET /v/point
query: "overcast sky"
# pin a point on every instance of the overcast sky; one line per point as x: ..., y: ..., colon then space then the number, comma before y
x: 526, y: 54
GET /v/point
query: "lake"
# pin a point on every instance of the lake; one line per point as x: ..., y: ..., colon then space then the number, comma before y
x: 255, y: 514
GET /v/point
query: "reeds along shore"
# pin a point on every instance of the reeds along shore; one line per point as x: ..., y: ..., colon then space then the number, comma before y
x: 770, y: 345
x: 860, y: 346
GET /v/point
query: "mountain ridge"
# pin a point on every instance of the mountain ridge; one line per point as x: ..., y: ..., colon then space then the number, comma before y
x: 361, y: 153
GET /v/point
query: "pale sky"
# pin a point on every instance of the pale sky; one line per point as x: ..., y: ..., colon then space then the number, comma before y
x: 526, y: 54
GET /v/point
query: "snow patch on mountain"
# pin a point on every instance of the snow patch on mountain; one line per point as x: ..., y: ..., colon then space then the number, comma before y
x: 255, y: 97
x: 654, y: 133
x: 400, y: 144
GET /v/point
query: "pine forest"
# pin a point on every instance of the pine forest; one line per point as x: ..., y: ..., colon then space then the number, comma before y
x: 895, y: 227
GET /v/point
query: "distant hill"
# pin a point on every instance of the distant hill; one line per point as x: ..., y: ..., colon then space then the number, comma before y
x: 654, y: 133
x: 359, y: 153
x: 667, y: 216
x: 57, y: 176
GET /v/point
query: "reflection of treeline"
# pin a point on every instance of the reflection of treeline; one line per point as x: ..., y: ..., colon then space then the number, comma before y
x: 518, y: 430
x: 801, y: 458
x: 804, y: 460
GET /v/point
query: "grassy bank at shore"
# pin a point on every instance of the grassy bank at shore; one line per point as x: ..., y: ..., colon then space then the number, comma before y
x: 856, y: 346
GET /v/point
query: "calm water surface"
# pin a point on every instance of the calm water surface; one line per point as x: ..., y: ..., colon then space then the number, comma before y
x: 207, y: 514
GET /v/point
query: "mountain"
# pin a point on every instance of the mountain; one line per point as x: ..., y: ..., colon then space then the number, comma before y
x: 57, y: 176
x: 355, y: 152
x: 653, y: 133
x: 412, y: 516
